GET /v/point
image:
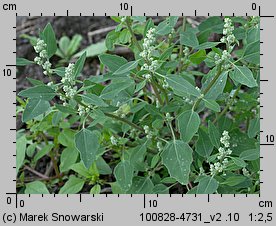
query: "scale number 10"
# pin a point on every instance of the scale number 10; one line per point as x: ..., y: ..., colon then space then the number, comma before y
x: 7, y: 72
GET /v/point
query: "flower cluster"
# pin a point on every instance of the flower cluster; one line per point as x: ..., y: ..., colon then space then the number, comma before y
x: 223, y: 59
x: 224, y: 152
x: 187, y: 100
x: 148, y: 47
x: 168, y: 117
x: 228, y: 38
x: 42, y: 60
x: 113, y: 140
x: 123, y: 110
x: 148, y: 132
x: 159, y: 146
x: 186, y: 51
x: 82, y: 110
x: 123, y: 19
x: 68, y: 82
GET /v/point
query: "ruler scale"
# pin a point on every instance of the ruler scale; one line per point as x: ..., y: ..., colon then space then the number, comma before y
x: 175, y: 209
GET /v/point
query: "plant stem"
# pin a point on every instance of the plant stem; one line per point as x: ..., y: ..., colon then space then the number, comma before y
x: 228, y: 105
x: 134, y: 39
x: 154, y: 86
x: 170, y: 125
x: 181, y: 47
x: 36, y: 172
x: 210, y: 85
x: 115, y: 117
x: 164, y: 92
x: 53, y: 159
x: 124, y: 120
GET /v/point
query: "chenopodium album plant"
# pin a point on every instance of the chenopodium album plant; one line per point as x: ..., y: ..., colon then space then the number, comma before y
x: 181, y: 116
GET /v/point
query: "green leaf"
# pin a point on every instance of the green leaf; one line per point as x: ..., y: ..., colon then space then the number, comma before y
x: 63, y: 46
x: 154, y: 160
x: 136, y: 156
x: 243, y: 75
x: 252, y: 52
x: 212, y: 104
x: 93, y: 50
x: 50, y: 39
x: 94, y: 100
x: 166, y: 26
x: 34, y: 108
x: 22, y: 61
x: 141, y: 185
x: 38, y: 92
x: 66, y: 138
x: 87, y: 143
x: 234, y: 180
x: 124, y: 36
x: 113, y: 62
x: 177, y: 157
x: 207, y: 45
x: 44, y: 151
x: 253, y: 35
x: 111, y: 39
x: 239, y: 161
x: 112, y: 90
x: 20, y: 151
x: 96, y: 189
x: 214, y: 134
x: 210, y: 25
x: 188, y: 38
x: 103, y: 167
x: 68, y: 157
x: 218, y: 86
x: 198, y: 56
x: 207, y: 185
x: 79, y: 64
x: 140, y: 19
x: 74, y: 45
x: 36, y: 187
x: 188, y: 123
x: 65, y: 109
x: 126, y: 68
x: 250, y: 155
x: 204, y: 146
x: 161, y: 189
x: 80, y: 169
x: 181, y: 86
x: 35, y: 82
x: 254, y: 127
x: 123, y: 173
x: 72, y: 186
x: 60, y: 71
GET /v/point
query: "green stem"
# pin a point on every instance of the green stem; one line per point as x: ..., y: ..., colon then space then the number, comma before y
x: 134, y: 39
x: 181, y: 47
x: 116, y: 117
x: 124, y: 120
x: 164, y: 92
x: 154, y: 86
x: 228, y: 105
x: 210, y: 85
x: 170, y: 125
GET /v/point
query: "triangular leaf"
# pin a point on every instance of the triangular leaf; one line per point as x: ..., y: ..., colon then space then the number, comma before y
x: 177, y: 157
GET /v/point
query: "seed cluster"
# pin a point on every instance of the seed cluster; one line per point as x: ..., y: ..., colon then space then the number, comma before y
x: 148, y: 47
x: 69, y: 82
x: 222, y: 156
x: 43, y: 59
